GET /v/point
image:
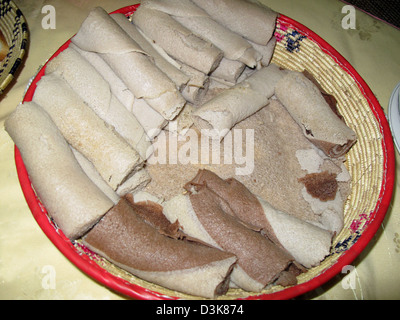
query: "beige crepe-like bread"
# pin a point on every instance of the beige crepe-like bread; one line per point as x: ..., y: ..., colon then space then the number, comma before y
x: 191, y: 82
x: 283, y: 156
x: 205, y: 216
x: 84, y: 79
x: 71, y: 199
x: 133, y: 184
x: 247, y: 18
x: 129, y: 242
x: 179, y: 42
x: 151, y: 121
x: 276, y: 156
x: 176, y: 75
x: 100, y: 33
x: 307, y: 243
x: 221, y: 113
x: 117, y: 86
x: 111, y: 155
x: 197, y: 85
x: 183, y: 122
x: 95, y: 176
x: 305, y: 103
x: 234, y: 46
x: 228, y: 71
x: 266, y: 52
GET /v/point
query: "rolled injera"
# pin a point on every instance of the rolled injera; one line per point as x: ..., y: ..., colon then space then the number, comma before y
x: 197, y: 85
x: 320, y: 124
x: 94, y: 90
x: 95, y: 176
x: 133, y: 184
x: 117, y: 86
x: 307, y: 243
x: 247, y: 18
x: 129, y: 242
x: 195, y: 19
x: 70, y: 197
x: 111, y: 155
x: 183, y: 122
x: 221, y: 113
x: 100, y: 33
x: 191, y: 82
x: 151, y: 121
x: 176, y: 75
x: 205, y: 216
x: 229, y: 71
x: 266, y: 52
x: 179, y: 42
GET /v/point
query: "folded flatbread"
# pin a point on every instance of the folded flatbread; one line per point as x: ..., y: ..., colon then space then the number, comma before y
x: 266, y: 52
x: 100, y: 33
x: 175, y: 74
x: 117, y: 86
x: 221, y: 113
x: 151, y: 121
x: 179, y: 42
x: 307, y: 243
x: 135, y: 183
x: 205, y: 216
x: 150, y: 210
x: 132, y: 185
x: 247, y: 18
x: 275, y: 158
x: 111, y: 155
x: 197, y: 85
x: 229, y: 71
x: 320, y: 124
x: 123, y: 238
x: 95, y: 176
x: 191, y: 82
x: 70, y: 197
x: 234, y: 46
x: 95, y: 91
x: 183, y: 122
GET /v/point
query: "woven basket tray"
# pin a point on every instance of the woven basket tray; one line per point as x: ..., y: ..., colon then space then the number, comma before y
x: 370, y: 162
x: 15, y: 31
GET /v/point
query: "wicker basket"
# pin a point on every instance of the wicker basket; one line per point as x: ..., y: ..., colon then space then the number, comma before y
x: 370, y: 162
x: 15, y: 31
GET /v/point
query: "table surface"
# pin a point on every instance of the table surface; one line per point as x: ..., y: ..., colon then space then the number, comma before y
x: 27, y: 257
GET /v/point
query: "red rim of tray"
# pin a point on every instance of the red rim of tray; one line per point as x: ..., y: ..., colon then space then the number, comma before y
x: 92, y: 269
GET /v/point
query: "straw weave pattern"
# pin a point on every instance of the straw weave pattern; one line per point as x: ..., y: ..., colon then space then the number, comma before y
x: 15, y: 31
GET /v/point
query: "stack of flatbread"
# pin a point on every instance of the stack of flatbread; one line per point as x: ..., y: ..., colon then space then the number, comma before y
x: 103, y: 135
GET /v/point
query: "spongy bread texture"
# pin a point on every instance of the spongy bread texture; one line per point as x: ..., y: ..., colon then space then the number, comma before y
x: 71, y: 199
